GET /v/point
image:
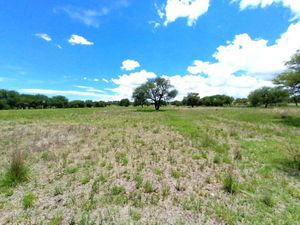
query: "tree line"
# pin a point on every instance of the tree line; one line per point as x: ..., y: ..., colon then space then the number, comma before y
x: 287, y: 89
x: 14, y: 100
x: 159, y: 92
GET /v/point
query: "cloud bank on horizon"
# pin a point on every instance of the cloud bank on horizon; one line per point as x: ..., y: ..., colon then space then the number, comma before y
x: 243, y: 62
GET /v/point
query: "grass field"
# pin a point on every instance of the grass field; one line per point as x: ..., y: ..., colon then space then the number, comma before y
x: 137, y: 166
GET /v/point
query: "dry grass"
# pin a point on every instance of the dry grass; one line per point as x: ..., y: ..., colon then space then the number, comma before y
x: 120, y: 166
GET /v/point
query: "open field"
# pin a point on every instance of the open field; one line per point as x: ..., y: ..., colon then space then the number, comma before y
x: 137, y: 166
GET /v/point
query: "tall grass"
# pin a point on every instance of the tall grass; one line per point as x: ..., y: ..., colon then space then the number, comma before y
x: 17, y: 171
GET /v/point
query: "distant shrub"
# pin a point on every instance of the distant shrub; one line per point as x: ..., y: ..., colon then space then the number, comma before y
x: 124, y: 102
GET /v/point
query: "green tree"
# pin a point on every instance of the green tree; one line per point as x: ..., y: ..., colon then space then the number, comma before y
x: 158, y: 91
x: 267, y: 96
x: 89, y: 103
x: 140, y: 95
x: 290, y: 79
x: 59, y: 101
x: 76, y: 104
x: 192, y: 99
x: 216, y: 100
x: 124, y: 102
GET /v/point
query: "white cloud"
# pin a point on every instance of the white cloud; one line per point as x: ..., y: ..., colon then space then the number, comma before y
x: 89, y: 17
x: 251, y: 57
x: 191, y: 9
x: 231, y: 85
x: 83, y: 95
x: 127, y: 83
x: 129, y: 65
x: 59, y: 92
x: 58, y: 46
x: 105, y: 80
x: 79, y: 40
x: 241, y: 66
x: 154, y: 24
x: 293, y: 5
x: 96, y: 80
x: 1, y: 79
x: 44, y: 36
x: 89, y: 89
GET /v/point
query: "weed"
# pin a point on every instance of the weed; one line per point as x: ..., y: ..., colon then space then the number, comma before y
x: 117, y: 190
x: 138, y: 181
x: 121, y: 158
x: 86, y: 220
x: 28, y: 200
x: 196, y: 156
x: 158, y: 171
x: 230, y: 184
x: 72, y: 169
x: 192, y: 203
x: 57, y: 220
x: 58, y: 190
x: 148, y: 187
x: 176, y: 174
x: 165, y: 190
x: 135, y: 215
x: 268, y: 200
x: 17, y: 171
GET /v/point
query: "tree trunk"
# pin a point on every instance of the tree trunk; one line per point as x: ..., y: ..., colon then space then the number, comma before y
x: 157, y: 105
x: 266, y: 105
x: 296, y: 102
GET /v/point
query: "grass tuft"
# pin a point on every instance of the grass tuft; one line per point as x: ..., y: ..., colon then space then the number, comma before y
x: 17, y: 171
x: 230, y: 184
x: 28, y: 200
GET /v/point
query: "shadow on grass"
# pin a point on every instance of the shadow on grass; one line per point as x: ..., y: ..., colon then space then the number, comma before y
x: 290, y: 121
x: 147, y: 110
x: 290, y: 166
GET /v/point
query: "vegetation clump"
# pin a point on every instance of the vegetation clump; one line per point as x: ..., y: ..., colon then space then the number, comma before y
x: 17, y: 170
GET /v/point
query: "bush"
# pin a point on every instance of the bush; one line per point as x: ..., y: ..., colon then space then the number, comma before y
x: 124, y: 102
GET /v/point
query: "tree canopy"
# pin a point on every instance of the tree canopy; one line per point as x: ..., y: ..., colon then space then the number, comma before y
x: 267, y: 96
x: 192, y: 99
x: 157, y: 91
x: 290, y: 79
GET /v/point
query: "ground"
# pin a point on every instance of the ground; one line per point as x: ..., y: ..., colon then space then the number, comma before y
x: 137, y: 166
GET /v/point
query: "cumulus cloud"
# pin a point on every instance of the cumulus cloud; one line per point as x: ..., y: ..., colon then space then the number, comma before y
x: 129, y: 65
x: 230, y: 85
x: 293, y: 5
x: 79, y: 40
x: 44, y: 36
x: 128, y: 82
x: 190, y: 9
x: 254, y: 57
x: 241, y: 66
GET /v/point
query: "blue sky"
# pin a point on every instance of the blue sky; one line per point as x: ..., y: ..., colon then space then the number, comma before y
x: 101, y: 49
